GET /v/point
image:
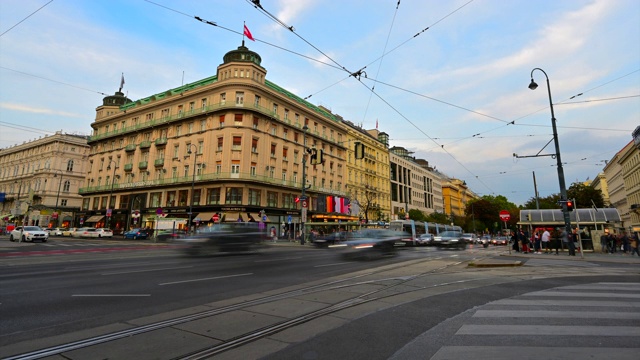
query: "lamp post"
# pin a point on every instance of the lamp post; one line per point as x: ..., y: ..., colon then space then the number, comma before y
x: 193, y: 181
x: 58, y: 197
x: 563, y: 187
x: 303, y: 214
x: 18, y: 207
x: 113, y: 181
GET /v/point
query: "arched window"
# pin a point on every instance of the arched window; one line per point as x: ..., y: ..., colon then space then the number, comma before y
x: 70, y: 165
x: 67, y: 186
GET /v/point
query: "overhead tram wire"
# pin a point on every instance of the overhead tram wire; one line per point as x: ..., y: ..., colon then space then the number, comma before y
x: 598, y: 100
x: 55, y: 81
x: 26, y: 128
x: 384, y: 49
x: 28, y: 16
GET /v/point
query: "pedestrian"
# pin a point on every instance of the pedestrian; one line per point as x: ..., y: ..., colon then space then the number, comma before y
x: 514, y: 239
x: 557, y: 241
x: 603, y: 243
x: 624, y: 239
x: 546, y: 236
x: 536, y: 242
x: 273, y: 234
x: 524, y: 240
x: 612, y: 243
x: 567, y: 239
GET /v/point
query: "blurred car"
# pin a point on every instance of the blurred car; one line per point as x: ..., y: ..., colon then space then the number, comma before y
x: 85, y: 232
x: 500, y: 240
x: 330, y: 239
x: 68, y: 231
x: 104, y: 232
x: 224, y: 238
x: 470, y: 238
x: 55, y: 232
x: 136, y: 234
x: 426, y: 239
x: 370, y: 243
x: 450, y: 239
x: 170, y: 235
x: 28, y: 233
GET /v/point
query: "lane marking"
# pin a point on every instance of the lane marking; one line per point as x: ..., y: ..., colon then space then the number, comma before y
x: 110, y: 295
x: 204, y: 279
x: 334, y: 264
x: 280, y: 259
x: 146, y: 270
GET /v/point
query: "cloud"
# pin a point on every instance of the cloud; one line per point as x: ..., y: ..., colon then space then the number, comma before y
x: 30, y: 109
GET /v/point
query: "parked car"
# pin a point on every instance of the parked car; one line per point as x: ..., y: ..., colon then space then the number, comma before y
x: 104, y: 232
x: 500, y: 240
x: 85, y: 232
x: 55, y: 232
x: 68, y: 231
x: 29, y: 233
x: 136, y: 234
x: 450, y: 239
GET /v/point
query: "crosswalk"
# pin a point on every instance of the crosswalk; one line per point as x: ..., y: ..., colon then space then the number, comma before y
x: 591, y: 321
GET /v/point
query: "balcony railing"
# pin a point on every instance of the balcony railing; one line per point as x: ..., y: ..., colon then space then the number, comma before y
x: 145, y: 144
x: 128, y: 167
x: 161, y: 141
x: 130, y: 147
x: 143, y: 164
x: 158, y: 162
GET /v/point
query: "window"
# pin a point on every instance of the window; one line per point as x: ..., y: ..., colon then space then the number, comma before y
x: 180, y: 110
x: 284, y: 175
x: 203, y: 125
x: 67, y: 186
x: 223, y: 98
x: 174, y: 172
x: 63, y: 202
x: 204, y: 104
x: 272, y: 199
x: 220, y: 140
x: 186, y: 170
x: 196, y: 196
x: 190, y: 128
x: 275, y: 109
x: 235, y: 167
x: 295, y: 137
x: 286, y: 114
x: 254, y: 197
x: 70, y: 165
x: 285, y: 132
x: 274, y: 130
x: 200, y: 147
x: 256, y: 101
x: 233, y: 196
x: 221, y: 120
x: 253, y: 169
x: 183, y: 195
x: 164, y: 113
x: 237, y: 143
x: 255, y: 122
x: 155, y: 199
x: 254, y: 145
x: 295, y: 177
x: 295, y: 156
x: 273, y: 150
x: 178, y: 130
x: 192, y: 106
x: 176, y: 150
x: 213, y: 196
x: 284, y: 153
x: 171, y: 198
x: 218, y: 167
x: 237, y: 120
x: 272, y: 171
x: 239, y: 98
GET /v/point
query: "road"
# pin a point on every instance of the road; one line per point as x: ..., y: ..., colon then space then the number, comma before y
x: 306, y: 302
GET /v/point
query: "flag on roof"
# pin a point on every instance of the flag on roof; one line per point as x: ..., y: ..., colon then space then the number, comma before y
x: 247, y: 33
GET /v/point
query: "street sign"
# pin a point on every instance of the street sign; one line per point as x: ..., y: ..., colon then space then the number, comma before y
x: 289, y: 219
x: 215, y: 217
x: 304, y: 203
x: 108, y: 213
x: 505, y: 216
x: 159, y: 211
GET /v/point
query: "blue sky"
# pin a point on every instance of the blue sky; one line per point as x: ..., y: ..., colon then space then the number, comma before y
x: 448, y: 94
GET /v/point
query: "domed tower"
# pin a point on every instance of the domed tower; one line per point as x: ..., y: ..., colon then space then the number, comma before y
x: 241, y: 64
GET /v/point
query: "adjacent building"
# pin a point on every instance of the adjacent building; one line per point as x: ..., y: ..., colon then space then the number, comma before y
x: 41, y: 178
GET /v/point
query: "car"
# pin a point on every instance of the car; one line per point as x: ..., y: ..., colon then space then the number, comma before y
x: 28, y: 233
x: 370, y: 244
x: 224, y: 239
x: 450, y: 239
x: 170, y: 235
x: 136, y: 234
x: 426, y: 239
x: 330, y: 239
x: 500, y: 240
x: 68, y: 231
x: 55, y: 231
x: 470, y: 238
x: 104, y: 232
x: 85, y: 232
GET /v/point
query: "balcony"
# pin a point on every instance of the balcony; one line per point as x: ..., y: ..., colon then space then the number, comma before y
x: 130, y: 147
x: 158, y: 162
x: 143, y: 164
x: 128, y: 167
x: 145, y: 144
x: 161, y: 142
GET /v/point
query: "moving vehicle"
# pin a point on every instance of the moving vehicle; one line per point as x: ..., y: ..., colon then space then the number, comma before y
x: 450, y: 239
x: 68, y: 231
x: 500, y: 240
x: 470, y: 238
x: 55, y: 231
x: 331, y: 239
x: 85, y: 232
x: 170, y: 235
x: 104, y: 232
x: 136, y: 234
x: 28, y: 233
x: 224, y: 238
x: 370, y: 244
x: 426, y: 239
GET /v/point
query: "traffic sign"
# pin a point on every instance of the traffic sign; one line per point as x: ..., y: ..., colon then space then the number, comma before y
x: 215, y: 217
x: 289, y: 219
x: 504, y: 215
x: 304, y: 203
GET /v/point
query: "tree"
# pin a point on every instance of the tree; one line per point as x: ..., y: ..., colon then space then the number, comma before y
x: 582, y: 193
x: 438, y: 217
x: 417, y: 215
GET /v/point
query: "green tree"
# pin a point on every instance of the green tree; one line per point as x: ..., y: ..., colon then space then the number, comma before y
x: 417, y: 215
x: 582, y: 193
x: 438, y: 217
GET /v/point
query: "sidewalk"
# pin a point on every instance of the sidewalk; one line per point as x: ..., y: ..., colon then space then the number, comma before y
x: 589, y: 255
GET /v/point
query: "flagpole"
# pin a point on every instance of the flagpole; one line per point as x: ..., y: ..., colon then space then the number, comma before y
x: 244, y: 24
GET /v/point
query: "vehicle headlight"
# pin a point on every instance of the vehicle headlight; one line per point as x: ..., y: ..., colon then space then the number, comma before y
x: 454, y: 240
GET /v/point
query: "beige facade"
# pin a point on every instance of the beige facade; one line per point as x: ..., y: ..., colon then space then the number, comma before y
x: 629, y: 159
x: 231, y: 144
x: 368, y: 183
x: 600, y: 183
x: 456, y: 194
x: 414, y: 185
x: 41, y: 179
x: 615, y: 172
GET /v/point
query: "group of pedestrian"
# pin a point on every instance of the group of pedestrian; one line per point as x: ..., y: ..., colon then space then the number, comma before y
x: 611, y: 243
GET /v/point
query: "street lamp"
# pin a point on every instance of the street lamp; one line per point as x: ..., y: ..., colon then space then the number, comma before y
x: 193, y: 180
x: 303, y: 216
x: 563, y: 187
x: 113, y: 181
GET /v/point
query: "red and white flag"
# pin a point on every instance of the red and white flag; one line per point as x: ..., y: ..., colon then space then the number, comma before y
x: 247, y: 33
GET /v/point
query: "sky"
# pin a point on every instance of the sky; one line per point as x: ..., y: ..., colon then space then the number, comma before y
x: 448, y: 80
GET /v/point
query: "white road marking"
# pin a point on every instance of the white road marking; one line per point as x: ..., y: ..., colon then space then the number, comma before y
x: 204, y: 279
x: 146, y: 270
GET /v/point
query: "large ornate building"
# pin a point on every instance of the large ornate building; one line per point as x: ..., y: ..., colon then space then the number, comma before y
x: 230, y: 144
x: 41, y: 178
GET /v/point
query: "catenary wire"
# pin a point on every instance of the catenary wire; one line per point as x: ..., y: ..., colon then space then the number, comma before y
x: 28, y: 16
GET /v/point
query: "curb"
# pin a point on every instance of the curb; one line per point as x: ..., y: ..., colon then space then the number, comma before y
x: 495, y: 263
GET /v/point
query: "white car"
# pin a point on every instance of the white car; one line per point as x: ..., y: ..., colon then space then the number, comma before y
x: 85, y: 232
x: 103, y: 232
x: 29, y: 233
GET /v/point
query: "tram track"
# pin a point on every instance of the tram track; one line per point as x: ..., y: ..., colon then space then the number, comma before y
x: 254, y: 335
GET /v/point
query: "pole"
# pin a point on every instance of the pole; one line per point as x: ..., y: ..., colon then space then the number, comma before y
x: 57, y: 198
x: 193, y: 181
x: 535, y: 189
x: 563, y: 187
x: 578, y: 228
x: 113, y: 181
x: 19, y: 212
x: 305, y: 128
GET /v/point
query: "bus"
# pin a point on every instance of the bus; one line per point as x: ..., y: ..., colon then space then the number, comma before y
x: 417, y: 228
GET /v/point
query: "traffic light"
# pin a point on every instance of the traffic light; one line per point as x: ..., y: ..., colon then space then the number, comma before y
x: 569, y: 205
x: 528, y: 217
x: 313, y: 158
x: 359, y: 150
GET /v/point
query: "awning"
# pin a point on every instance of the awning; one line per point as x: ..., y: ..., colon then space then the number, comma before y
x: 7, y: 216
x: 94, y: 218
x: 231, y: 216
x: 205, y: 216
x: 244, y: 217
x: 256, y: 217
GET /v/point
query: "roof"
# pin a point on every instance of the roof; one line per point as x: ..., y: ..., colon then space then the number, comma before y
x: 555, y: 216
